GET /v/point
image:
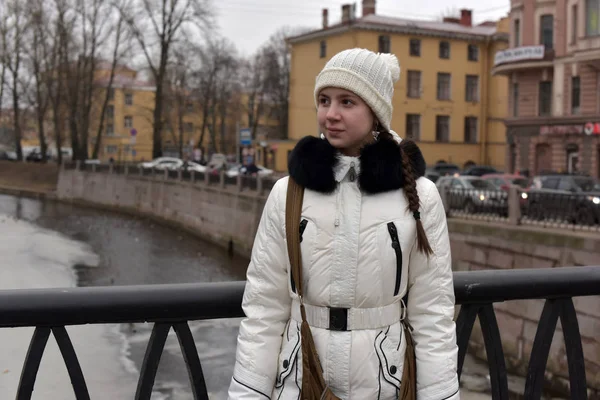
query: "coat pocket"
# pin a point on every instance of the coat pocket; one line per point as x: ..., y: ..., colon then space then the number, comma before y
x: 390, y: 347
x: 288, y: 376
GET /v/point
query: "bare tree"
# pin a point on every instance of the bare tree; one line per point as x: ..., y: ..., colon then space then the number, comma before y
x: 177, y: 94
x: 116, y: 56
x: 157, y: 25
x: 16, y: 29
x: 3, y: 50
x: 217, y: 56
x: 253, y: 74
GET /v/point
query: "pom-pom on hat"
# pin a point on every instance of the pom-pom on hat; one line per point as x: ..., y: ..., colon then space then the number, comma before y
x: 369, y: 75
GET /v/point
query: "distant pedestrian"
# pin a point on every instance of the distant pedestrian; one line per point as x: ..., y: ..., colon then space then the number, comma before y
x: 369, y: 231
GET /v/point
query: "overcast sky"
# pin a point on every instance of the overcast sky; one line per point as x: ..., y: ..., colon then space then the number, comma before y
x: 249, y: 23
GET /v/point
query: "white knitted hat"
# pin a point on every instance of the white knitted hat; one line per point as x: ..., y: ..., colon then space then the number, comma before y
x: 369, y: 75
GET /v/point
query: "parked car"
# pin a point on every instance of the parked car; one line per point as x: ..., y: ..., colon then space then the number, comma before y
x: 479, y: 170
x: 574, y: 198
x: 473, y: 194
x: 504, y: 181
x: 162, y: 163
x: 445, y: 169
x: 250, y: 170
x: 191, y: 166
x: 432, y: 175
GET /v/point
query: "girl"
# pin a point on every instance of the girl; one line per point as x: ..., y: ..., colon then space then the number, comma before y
x: 372, y: 230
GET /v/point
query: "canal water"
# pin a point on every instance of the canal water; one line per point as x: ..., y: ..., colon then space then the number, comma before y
x: 49, y: 244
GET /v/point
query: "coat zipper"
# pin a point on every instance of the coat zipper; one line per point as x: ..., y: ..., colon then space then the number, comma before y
x: 396, y: 245
x: 303, y: 224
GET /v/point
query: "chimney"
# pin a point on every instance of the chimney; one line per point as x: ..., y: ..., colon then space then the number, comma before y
x: 465, y: 17
x: 368, y: 7
x: 325, y: 18
x: 346, y: 10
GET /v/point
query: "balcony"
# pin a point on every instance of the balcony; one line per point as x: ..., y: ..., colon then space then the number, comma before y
x: 521, y: 58
x: 588, y: 51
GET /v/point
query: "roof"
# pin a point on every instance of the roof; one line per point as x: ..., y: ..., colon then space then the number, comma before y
x: 410, y: 26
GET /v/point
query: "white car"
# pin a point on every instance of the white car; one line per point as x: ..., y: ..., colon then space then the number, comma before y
x: 262, y: 171
x: 162, y: 163
x: 193, y: 166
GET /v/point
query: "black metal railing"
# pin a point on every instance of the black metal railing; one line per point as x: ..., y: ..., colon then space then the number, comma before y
x: 562, y: 208
x: 478, y: 201
x: 173, y: 305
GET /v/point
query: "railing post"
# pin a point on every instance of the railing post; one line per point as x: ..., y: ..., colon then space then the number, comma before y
x: 110, y: 168
x: 78, y: 165
x: 93, y: 167
x: 222, y: 179
x: 179, y: 174
x: 126, y: 169
x: 259, y: 184
x: 193, y: 176
x: 514, y: 205
x: 239, y: 182
x: 165, y: 174
x: 140, y: 170
x: 207, y: 177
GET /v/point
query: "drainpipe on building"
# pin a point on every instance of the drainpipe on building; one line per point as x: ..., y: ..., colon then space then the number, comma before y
x: 483, y: 123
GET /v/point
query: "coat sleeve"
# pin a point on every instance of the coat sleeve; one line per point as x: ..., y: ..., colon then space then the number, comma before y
x: 266, y: 304
x: 430, y: 308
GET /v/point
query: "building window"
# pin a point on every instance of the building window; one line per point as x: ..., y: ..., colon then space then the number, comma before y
x: 445, y: 50
x: 111, y: 149
x: 442, y: 128
x: 517, y: 33
x: 470, y: 129
x: 473, y: 52
x: 189, y: 127
x: 545, y: 98
x: 384, y: 44
x: 128, y: 122
x: 414, y: 84
x: 110, y: 129
x: 111, y: 93
x: 128, y: 99
x: 415, y: 47
x: 443, y: 86
x: 592, y: 22
x: 413, y: 126
x: 575, y: 94
x: 515, y: 99
x: 323, y: 52
x: 472, y: 88
x: 574, y: 24
x: 110, y: 111
x: 189, y: 107
x: 547, y: 31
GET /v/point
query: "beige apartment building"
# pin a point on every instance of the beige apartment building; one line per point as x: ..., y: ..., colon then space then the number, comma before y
x: 553, y: 66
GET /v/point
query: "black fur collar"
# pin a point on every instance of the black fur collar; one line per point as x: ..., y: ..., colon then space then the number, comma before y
x: 313, y: 160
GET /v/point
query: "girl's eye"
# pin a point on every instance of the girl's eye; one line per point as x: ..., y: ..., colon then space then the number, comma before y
x: 323, y: 100
x: 347, y: 102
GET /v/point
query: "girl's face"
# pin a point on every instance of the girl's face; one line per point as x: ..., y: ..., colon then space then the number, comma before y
x: 345, y: 119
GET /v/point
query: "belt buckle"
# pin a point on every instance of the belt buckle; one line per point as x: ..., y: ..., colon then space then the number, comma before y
x: 338, y: 319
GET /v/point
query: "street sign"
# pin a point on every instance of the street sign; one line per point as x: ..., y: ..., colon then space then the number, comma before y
x: 245, y: 137
x: 132, y: 140
x: 133, y: 131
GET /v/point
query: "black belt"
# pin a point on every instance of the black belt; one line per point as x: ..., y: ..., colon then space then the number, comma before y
x: 338, y: 319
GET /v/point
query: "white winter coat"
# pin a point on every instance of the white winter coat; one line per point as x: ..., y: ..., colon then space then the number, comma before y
x: 348, y: 261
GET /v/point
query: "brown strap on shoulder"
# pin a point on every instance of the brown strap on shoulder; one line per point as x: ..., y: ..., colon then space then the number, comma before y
x: 293, y: 211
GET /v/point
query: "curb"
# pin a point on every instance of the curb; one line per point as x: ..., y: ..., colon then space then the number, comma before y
x: 34, y: 194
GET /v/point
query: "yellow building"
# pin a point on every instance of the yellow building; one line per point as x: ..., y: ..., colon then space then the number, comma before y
x: 446, y: 98
x: 127, y: 133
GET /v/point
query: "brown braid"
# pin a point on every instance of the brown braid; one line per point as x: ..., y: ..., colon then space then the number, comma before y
x: 410, y: 191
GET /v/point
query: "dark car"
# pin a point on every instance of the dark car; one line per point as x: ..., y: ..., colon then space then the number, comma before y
x: 473, y: 195
x: 504, y: 181
x: 573, y: 198
x: 445, y: 169
x: 479, y: 170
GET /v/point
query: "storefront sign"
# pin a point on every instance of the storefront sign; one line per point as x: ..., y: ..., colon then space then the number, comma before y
x: 519, y: 54
x: 591, y: 128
